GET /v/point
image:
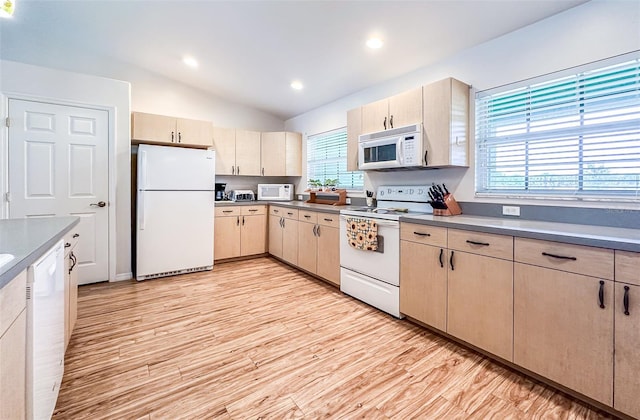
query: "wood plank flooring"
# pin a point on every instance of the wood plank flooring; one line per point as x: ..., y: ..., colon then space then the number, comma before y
x: 258, y: 339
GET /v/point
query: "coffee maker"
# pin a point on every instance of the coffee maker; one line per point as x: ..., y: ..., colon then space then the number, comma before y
x: 220, y: 194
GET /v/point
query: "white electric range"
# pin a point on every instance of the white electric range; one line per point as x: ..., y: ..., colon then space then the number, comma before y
x: 374, y: 276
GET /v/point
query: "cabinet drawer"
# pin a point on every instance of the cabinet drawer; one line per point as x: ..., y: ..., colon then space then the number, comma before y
x: 489, y: 244
x: 328, y: 219
x: 590, y: 261
x: 13, y: 299
x: 628, y: 267
x: 227, y: 211
x: 290, y: 213
x: 424, y: 234
x: 253, y: 210
x: 307, y: 216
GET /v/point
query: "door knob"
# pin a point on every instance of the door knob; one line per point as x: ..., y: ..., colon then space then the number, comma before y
x: 98, y: 204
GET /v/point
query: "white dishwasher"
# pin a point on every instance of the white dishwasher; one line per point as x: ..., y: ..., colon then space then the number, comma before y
x: 45, y: 332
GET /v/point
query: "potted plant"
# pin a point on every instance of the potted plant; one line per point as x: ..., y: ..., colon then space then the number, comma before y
x: 314, y: 184
x: 330, y: 184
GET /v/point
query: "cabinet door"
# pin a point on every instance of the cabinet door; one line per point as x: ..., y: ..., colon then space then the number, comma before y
x: 194, y: 132
x: 152, y: 127
x: 374, y: 116
x: 480, y: 302
x: 307, y: 246
x: 224, y: 143
x: 274, y: 147
x: 247, y: 152
x: 293, y: 164
x: 560, y: 330
x: 13, y: 365
x: 627, y: 345
x: 354, y: 129
x: 328, y: 260
x: 253, y: 235
x: 405, y: 108
x: 423, y: 283
x: 446, y: 122
x: 226, y: 242
x: 275, y: 235
x: 290, y: 241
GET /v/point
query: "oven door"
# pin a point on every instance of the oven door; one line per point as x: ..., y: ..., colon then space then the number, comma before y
x: 383, y: 264
x: 380, y: 153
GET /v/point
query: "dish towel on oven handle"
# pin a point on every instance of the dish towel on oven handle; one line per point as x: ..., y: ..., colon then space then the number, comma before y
x: 362, y: 233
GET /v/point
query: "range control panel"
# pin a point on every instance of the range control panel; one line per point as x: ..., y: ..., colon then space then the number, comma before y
x: 417, y: 193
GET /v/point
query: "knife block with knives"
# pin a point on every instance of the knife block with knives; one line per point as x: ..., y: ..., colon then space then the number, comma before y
x: 443, y: 202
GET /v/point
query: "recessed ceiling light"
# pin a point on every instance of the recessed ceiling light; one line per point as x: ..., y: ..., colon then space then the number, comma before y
x: 7, y: 8
x: 374, y: 43
x: 190, y: 61
x: 297, y: 85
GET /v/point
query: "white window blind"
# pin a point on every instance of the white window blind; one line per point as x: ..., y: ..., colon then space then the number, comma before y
x: 327, y: 159
x: 572, y: 136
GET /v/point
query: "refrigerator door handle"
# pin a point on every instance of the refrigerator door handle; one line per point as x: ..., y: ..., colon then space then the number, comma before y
x: 142, y: 173
x: 141, y: 209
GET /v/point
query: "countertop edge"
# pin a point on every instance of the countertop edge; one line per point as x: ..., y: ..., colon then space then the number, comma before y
x: 25, y: 262
x: 323, y: 208
x: 594, y: 240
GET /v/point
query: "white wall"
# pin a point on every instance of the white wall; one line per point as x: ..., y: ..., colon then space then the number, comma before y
x: 593, y: 31
x: 39, y: 82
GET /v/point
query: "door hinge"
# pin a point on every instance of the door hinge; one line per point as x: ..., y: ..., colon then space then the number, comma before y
x: 7, y: 196
x: 7, y: 122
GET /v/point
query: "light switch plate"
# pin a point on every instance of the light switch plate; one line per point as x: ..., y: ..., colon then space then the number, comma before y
x: 511, y: 210
x: 348, y: 200
x: 299, y: 197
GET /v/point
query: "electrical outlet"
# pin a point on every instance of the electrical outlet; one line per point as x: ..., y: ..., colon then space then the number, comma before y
x: 348, y: 200
x: 511, y: 210
x: 299, y: 197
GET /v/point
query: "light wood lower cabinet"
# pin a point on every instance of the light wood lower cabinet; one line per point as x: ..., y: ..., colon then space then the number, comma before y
x: 283, y: 233
x: 627, y: 349
x: 319, y: 244
x: 13, y: 348
x: 240, y: 231
x: 561, y: 331
x: 480, y: 302
x: 423, y: 283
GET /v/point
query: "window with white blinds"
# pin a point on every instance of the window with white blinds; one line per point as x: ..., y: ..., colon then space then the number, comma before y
x: 572, y: 136
x: 327, y: 159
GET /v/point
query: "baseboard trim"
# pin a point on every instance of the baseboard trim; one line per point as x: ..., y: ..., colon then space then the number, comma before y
x: 124, y: 276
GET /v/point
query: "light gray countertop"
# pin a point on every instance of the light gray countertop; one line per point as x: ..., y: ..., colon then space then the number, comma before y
x: 28, y: 239
x: 598, y: 236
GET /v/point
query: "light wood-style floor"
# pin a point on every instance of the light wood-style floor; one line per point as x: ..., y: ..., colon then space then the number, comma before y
x: 258, y: 339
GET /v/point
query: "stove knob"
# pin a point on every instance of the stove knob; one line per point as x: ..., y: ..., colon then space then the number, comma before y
x: 381, y: 193
x: 389, y: 191
x: 411, y: 191
x: 421, y: 192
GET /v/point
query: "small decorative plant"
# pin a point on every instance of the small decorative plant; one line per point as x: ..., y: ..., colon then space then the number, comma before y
x: 314, y: 184
x: 330, y: 184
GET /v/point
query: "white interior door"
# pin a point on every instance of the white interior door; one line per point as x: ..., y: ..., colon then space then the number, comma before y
x: 58, y: 166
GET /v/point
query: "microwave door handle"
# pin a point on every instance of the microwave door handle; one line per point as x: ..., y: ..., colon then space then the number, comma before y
x: 401, y: 151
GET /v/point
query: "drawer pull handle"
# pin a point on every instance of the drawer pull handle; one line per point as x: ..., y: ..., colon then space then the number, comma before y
x: 451, y: 261
x: 328, y: 220
x: 421, y: 234
x: 290, y: 214
x: 440, y: 258
x: 75, y: 235
x: 276, y: 211
x: 625, y: 300
x: 227, y: 211
x: 478, y: 243
x: 306, y: 216
x: 601, y: 294
x: 560, y: 257
x: 252, y: 210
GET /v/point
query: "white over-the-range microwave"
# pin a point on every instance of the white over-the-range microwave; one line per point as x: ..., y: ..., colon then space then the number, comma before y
x: 395, y: 148
x: 275, y: 192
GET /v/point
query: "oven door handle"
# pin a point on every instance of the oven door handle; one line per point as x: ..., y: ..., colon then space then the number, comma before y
x: 380, y: 222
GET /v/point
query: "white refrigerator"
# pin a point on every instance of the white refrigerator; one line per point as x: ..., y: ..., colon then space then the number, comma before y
x: 175, y: 210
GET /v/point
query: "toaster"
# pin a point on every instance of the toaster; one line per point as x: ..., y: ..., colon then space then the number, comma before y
x: 242, y: 195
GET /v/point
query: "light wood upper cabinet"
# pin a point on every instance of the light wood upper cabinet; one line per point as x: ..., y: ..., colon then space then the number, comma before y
x: 274, y: 148
x: 396, y: 111
x: 293, y: 154
x: 627, y: 343
x: 354, y: 129
x: 13, y: 349
x: 224, y: 143
x: 247, y: 153
x: 446, y: 123
x: 152, y: 128
x: 239, y: 231
x: 561, y: 331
